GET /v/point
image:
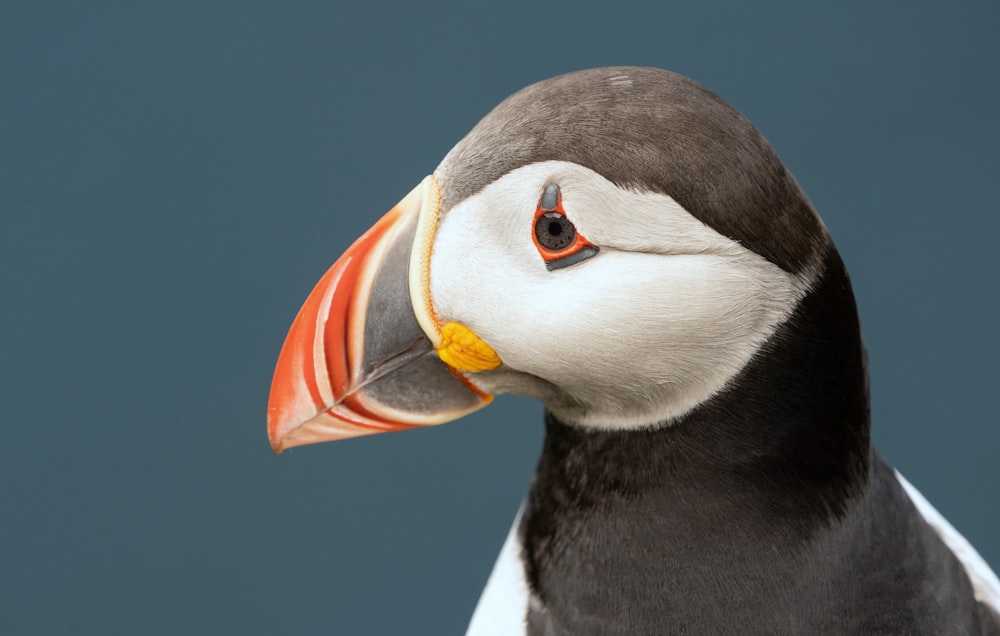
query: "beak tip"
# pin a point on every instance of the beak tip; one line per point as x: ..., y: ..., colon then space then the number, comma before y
x: 276, y: 433
x: 274, y: 441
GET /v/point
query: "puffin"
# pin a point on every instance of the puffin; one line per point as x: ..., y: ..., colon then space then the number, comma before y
x: 623, y: 245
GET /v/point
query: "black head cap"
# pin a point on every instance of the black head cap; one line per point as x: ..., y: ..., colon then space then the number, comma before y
x: 648, y: 130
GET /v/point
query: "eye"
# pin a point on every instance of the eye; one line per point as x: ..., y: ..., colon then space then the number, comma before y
x: 555, y: 235
x: 554, y: 231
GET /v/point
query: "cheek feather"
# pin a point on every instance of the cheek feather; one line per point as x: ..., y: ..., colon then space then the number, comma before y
x: 654, y: 324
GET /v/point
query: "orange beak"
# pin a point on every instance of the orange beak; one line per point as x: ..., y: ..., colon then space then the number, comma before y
x: 358, y: 358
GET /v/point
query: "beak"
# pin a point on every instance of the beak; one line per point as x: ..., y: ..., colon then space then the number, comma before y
x: 361, y: 355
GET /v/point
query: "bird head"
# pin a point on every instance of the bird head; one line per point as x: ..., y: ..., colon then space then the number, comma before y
x: 618, y: 243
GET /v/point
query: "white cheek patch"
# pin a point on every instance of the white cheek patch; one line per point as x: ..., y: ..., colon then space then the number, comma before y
x: 656, y: 323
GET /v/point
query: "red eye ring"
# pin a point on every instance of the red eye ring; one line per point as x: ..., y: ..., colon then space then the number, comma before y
x: 555, y: 236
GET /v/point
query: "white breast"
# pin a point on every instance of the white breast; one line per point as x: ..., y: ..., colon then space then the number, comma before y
x: 503, y: 607
x: 985, y: 585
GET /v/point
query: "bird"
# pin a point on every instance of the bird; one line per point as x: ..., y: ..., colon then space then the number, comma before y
x: 624, y: 246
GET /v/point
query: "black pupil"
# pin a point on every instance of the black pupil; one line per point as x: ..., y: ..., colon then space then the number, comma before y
x: 554, y: 231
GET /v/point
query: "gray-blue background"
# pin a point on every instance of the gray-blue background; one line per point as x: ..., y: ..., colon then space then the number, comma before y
x: 175, y: 176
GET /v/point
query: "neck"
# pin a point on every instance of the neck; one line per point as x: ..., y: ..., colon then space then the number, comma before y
x: 779, y: 455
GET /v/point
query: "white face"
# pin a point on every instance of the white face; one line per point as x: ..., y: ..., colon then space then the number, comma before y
x: 657, y: 322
